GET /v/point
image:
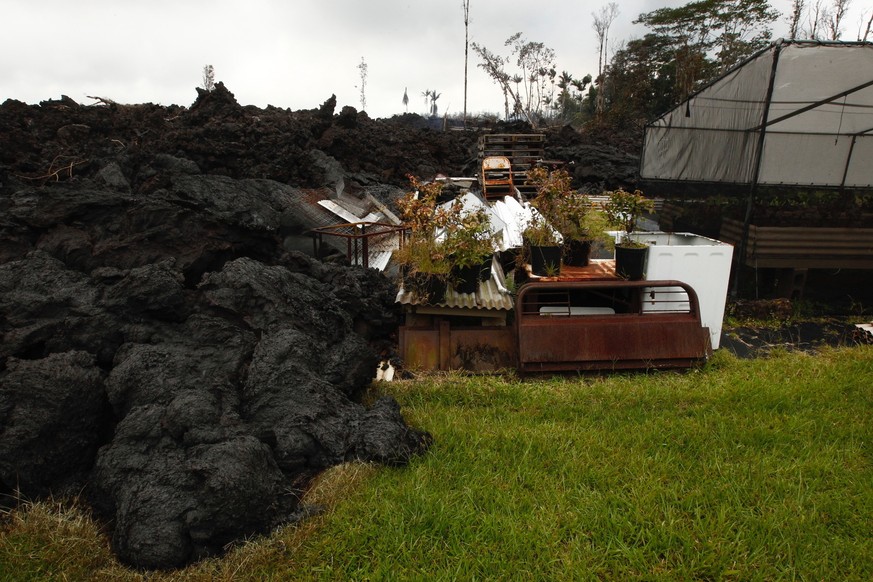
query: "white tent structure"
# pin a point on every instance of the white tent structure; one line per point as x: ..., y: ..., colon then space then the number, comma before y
x: 799, y: 113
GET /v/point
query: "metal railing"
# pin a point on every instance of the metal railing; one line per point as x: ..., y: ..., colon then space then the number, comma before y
x: 362, y: 238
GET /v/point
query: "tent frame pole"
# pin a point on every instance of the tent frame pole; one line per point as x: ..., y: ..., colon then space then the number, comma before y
x: 812, y: 106
x: 848, y: 163
x: 753, y: 187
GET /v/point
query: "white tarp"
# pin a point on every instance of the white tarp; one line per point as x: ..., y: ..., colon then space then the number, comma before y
x: 819, y: 128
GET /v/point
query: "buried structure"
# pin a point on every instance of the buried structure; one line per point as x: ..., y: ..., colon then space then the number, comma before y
x: 167, y: 352
x: 506, y: 315
x: 566, y: 314
x: 585, y: 318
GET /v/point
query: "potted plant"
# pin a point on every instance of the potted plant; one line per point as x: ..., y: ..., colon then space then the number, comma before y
x: 623, y: 209
x: 425, y: 269
x: 542, y: 246
x: 423, y: 263
x: 571, y: 213
x: 469, y: 244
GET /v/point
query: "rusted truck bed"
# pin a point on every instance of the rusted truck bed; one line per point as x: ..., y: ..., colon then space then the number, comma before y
x: 605, y: 325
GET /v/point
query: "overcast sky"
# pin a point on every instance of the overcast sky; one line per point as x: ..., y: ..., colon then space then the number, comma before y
x: 294, y: 53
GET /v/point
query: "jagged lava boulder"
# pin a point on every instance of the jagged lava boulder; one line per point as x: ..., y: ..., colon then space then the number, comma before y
x: 163, y: 353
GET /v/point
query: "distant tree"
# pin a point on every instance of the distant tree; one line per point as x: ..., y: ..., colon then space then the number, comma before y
x: 362, y: 69
x: 866, y: 34
x: 710, y: 36
x: 465, y: 5
x: 426, y: 94
x: 430, y: 98
x: 405, y: 100
x: 641, y: 83
x: 493, y: 65
x: 603, y: 20
x: 797, y: 9
x: 433, y: 106
x: 209, y: 78
x: 569, y: 103
x: 836, y: 17
x: 817, y: 18
x: 537, y: 64
x: 823, y: 21
x: 534, y: 82
x: 565, y: 97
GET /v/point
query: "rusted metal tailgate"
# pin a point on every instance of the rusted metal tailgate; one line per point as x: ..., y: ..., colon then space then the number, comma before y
x: 580, y: 336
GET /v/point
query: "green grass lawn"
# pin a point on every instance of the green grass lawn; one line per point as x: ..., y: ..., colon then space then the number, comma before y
x: 743, y: 470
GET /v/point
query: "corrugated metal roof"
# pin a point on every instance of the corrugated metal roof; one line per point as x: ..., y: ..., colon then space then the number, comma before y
x: 491, y: 294
x: 380, y: 255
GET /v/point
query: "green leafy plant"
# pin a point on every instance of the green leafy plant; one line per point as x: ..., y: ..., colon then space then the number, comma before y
x: 552, y: 270
x: 563, y: 208
x: 623, y: 209
x: 421, y: 255
x: 439, y: 236
x: 538, y: 232
x: 571, y: 213
x: 468, y: 237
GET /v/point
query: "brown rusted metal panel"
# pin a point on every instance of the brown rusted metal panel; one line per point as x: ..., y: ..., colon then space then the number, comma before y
x: 483, y: 349
x: 803, y: 247
x: 441, y: 347
x: 420, y: 348
x: 445, y: 344
x: 584, y: 335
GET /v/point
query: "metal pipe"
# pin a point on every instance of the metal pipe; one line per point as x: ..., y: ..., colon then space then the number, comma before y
x: 848, y: 162
x: 753, y: 188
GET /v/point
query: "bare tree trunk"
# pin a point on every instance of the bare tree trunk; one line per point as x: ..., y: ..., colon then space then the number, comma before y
x: 797, y: 8
x: 466, y: 6
x: 867, y: 31
x: 602, y: 22
x: 835, y: 22
x: 818, y: 15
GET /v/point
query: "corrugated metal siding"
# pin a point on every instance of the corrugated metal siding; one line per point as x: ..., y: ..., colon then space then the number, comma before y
x: 802, y: 247
x: 492, y: 294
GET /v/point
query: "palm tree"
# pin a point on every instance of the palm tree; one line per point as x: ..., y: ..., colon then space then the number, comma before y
x: 433, y: 106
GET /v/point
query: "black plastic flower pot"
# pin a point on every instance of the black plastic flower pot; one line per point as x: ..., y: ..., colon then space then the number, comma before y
x: 466, y: 278
x: 630, y: 263
x: 577, y: 252
x: 545, y: 261
x: 508, y: 259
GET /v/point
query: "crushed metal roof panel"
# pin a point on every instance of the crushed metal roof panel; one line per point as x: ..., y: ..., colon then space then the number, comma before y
x: 378, y: 258
x: 346, y: 214
x: 515, y: 216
